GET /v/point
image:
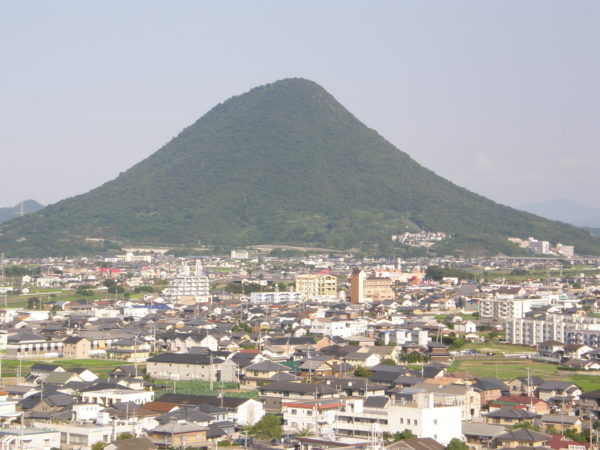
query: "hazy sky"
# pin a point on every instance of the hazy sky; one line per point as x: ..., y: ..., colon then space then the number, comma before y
x: 501, y: 97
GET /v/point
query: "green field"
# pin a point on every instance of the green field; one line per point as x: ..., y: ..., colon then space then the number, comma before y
x: 505, y: 369
x: 499, y: 348
x: 585, y: 382
x: 199, y: 387
x: 508, y: 369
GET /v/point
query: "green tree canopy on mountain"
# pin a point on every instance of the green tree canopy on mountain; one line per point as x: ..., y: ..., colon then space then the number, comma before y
x: 282, y: 163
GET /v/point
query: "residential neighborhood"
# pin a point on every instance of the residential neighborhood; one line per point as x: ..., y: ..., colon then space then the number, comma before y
x: 155, y: 351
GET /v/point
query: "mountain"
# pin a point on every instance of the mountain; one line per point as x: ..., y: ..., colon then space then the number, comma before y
x: 282, y: 163
x: 567, y: 211
x: 26, y: 207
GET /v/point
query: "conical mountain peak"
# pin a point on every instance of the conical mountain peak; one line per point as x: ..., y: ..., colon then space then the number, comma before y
x: 281, y: 163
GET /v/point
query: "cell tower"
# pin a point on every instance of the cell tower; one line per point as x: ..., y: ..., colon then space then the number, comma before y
x: 375, y: 437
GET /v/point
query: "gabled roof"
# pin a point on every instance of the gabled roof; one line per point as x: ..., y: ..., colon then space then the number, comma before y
x: 523, y: 435
x: 184, y: 399
x: 268, y: 366
x: 185, y: 358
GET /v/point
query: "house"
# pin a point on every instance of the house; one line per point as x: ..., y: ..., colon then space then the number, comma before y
x: 39, y: 371
x: 242, y: 411
x: 551, y: 349
x: 111, y: 395
x: 522, y: 437
x: 75, y: 347
x: 549, y: 390
x: 525, y: 385
x: 490, y: 389
x: 507, y: 415
x: 481, y: 435
x: 191, y: 366
x: 560, y: 422
x: 260, y: 374
x: 181, y: 434
x: 272, y: 395
x: 310, y: 414
x: 141, y: 443
x: 520, y: 402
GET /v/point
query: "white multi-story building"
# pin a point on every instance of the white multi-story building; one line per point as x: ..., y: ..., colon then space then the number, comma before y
x: 276, y: 297
x: 505, y: 308
x: 538, y: 247
x: 424, y: 418
x: 568, y: 329
x: 188, y: 288
x: 341, y: 328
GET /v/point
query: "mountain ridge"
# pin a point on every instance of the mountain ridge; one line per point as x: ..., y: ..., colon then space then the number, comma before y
x: 25, y: 207
x: 281, y: 163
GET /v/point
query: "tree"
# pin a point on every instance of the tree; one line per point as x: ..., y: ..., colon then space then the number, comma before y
x: 575, y: 435
x: 457, y: 444
x: 527, y: 425
x: 268, y: 427
x: 362, y: 372
x: 124, y: 436
x: 98, y: 445
x: 388, y: 362
x: 406, y: 434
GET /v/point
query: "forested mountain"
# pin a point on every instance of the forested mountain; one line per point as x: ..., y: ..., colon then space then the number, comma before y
x: 26, y: 207
x: 282, y: 163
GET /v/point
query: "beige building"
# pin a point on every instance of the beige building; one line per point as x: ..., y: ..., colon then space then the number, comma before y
x: 75, y: 347
x: 316, y: 285
x: 366, y: 289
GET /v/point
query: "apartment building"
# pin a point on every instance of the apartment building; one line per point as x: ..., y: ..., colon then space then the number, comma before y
x: 423, y: 417
x: 276, y: 297
x: 505, y: 308
x: 314, y: 286
x: 569, y: 329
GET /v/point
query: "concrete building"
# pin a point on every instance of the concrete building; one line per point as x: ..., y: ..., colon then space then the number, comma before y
x: 505, y: 309
x: 187, y: 288
x: 424, y: 418
x: 276, y: 297
x: 569, y: 329
x: 315, y: 286
x: 191, y: 366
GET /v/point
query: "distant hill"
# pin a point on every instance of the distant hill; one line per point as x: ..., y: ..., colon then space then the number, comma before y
x: 567, y: 211
x: 284, y: 163
x: 26, y: 207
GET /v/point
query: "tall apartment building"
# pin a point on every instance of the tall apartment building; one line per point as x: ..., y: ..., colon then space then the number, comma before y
x: 504, y: 308
x: 365, y: 289
x: 187, y: 288
x: 564, y: 328
x: 316, y: 285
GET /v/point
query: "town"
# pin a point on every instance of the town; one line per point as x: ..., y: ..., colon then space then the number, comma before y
x: 284, y: 348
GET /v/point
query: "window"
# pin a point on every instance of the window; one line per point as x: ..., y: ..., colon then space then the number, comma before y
x: 415, y: 422
x: 435, y: 421
x: 401, y: 420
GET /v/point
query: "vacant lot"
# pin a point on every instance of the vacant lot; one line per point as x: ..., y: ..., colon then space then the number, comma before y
x: 505, y: 369
x: 199, y: 387
x: 508, y: 369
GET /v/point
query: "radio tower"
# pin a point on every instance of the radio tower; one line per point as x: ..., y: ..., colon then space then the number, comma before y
x: 2, y: 278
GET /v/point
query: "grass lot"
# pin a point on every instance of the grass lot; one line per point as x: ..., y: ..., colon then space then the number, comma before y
x: 505, y: 369
x: 100, y: 367
x: 585, y: 382
x: 499, y: 348
x: 198, y: 387
x: 508, y: 369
